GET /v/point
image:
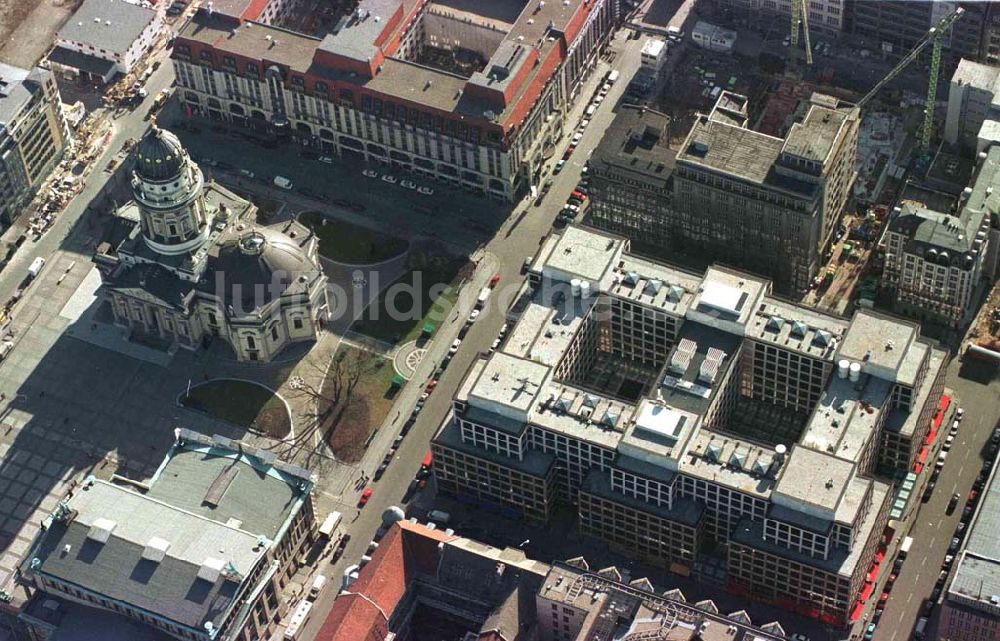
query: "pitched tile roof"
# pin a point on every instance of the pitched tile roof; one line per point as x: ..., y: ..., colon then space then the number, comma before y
x: 406, y: 551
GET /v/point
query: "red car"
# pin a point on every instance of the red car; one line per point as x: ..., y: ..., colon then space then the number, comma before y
x: 367, y: 494
x: 972, y: 496
x: 569, y: 152
x: 579, y: 195
x: 430, y: 386
x: 494, y: 280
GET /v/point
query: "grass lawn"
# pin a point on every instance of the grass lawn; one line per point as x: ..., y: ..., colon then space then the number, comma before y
x: 348, y: 243
x: 243, y: 404
x: 438, y: 290
x: 358, y: 414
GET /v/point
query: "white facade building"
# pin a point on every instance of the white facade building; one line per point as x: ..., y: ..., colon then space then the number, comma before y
x: 104, y: 38
x: 972, y: 101
x: 654, y: 54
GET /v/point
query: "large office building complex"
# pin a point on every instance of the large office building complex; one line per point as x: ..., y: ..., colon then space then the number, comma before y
x: 971, y: 606
x: 674, y: 410
x: 631, y: 180
x: 935, y: 260
x: 424, y: 583
x: 33, y: 135
x: 199, y: 552
x: 824, y: 15
x: 762, y: 203
x: 896, y: 26
x: 474, y: 100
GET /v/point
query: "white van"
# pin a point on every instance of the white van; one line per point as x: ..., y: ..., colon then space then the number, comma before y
x: 484, y: 293
x: 330, y: 524
x: 317, y: 587
x: 282, y: 182
x: 590, y: 110
x: 35, y: 267
x: 613, y: 75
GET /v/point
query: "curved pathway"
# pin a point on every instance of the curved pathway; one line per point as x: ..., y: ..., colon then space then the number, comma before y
x: 288, y: 408
x: 408, y: 357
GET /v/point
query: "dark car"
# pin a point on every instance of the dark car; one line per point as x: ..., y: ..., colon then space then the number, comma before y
x: 953, y: 546
x: 928, y: 608
x: 380, y: 471
x: 897, y: 565
x: 411, y: 489
x: 936, y: 594
x: 929, y: 491
x: 952, y: 504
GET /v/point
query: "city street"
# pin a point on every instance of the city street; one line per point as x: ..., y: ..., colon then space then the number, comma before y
x: 65, y: 234
x: 977, y: 390
x: 517, y: 238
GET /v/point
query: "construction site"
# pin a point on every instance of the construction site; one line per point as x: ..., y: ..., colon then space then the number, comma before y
x: 897, y: 133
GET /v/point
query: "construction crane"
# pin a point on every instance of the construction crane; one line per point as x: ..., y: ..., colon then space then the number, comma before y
x: 934, y: 37
x: 800, y: 18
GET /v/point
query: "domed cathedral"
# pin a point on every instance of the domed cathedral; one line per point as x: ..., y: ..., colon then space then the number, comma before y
x: 185, y: 262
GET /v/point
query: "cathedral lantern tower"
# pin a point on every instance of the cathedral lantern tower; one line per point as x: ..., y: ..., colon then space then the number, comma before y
x: 168, y: 188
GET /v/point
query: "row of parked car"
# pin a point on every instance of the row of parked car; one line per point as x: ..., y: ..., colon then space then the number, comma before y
x: 576, y: 200
x: 956, y: 541
x: 392, y: 180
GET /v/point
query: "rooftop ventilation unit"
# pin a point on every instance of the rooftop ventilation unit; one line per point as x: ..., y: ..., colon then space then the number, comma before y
x: 713, y: 451
x: 155, y: 549
x: 683, y: 353
x: 653, y: 286
x: 211, y: 569
x: 709, y: 369
x: 674, y: 293
x: 610, y: 418
x: 631, y: 279
x: 101, y: 530
x: 589, y: 400
x: 799, y: 329
x: 738, y: 459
